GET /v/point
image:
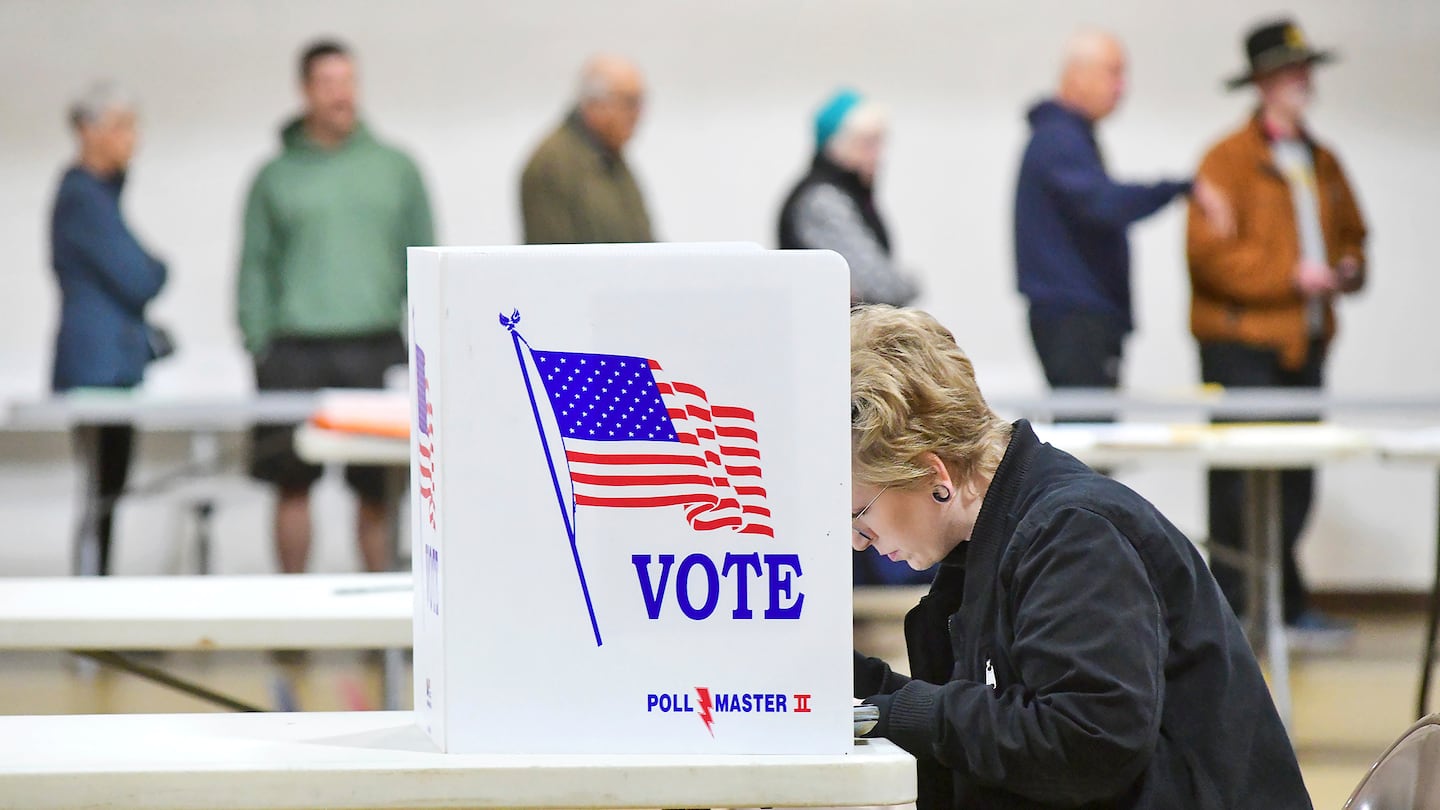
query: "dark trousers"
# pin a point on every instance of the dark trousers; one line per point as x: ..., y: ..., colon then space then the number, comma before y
x: 1239, y: 365
x: 1078, y: 350
x: 307, y: 364
x: 109, y: 468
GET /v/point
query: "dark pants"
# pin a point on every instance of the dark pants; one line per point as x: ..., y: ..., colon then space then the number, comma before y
x: 308, y: 364
x: 1239, y: 365
x: 110, y: 467
x: 1078, y: 350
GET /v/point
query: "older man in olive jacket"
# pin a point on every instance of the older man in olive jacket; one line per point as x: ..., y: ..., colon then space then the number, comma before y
x: 576, y: 188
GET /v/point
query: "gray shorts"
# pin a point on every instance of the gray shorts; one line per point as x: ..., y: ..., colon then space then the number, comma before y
x: 308, y: 364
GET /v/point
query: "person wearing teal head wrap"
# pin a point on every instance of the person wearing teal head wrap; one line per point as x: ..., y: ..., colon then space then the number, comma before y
x: 833, y: 205
x: 832, y: 115
x: 833, y: 208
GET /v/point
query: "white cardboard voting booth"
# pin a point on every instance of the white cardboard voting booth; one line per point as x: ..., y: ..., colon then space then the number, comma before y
x: 631, y: 482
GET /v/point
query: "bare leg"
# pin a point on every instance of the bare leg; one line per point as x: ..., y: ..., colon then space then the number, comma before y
x: 372, y: 524
x: 292, y: 530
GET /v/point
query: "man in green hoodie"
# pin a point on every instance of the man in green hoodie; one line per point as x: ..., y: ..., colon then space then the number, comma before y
x: 321, y: 291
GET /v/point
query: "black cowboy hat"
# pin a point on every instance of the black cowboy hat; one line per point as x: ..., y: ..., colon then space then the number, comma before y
x: 1276, y: 45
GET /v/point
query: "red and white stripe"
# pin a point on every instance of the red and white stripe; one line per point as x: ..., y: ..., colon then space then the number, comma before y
x: 713, y: 471
x: 425, y: 444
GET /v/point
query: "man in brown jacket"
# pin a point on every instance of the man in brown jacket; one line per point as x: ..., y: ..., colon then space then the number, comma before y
x: 1262, y: 305
x: 576, y: 188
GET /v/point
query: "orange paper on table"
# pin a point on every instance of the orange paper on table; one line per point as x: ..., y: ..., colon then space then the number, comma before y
x: 371, y: 413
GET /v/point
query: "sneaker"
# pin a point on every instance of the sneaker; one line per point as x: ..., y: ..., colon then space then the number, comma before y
x: 1314, y: 631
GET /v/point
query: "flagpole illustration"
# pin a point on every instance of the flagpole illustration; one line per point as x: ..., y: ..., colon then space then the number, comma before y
x: 509, y: 323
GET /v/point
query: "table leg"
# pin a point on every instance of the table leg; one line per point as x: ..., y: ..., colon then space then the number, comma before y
x: 392, y: 679
x: 205, y: 455
x: 1428, y: 663
x: 204, y: 512
x: 1254, y: 562
x: 118, y: 661
x: 86, y: 552
x: 1273, y: 541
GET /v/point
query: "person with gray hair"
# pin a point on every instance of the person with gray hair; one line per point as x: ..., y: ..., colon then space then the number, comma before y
x: 107, y: 279
x: 833, y: 205
x: 577, y: 188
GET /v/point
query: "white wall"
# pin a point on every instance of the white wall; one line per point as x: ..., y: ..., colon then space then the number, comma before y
x: 469, y: 86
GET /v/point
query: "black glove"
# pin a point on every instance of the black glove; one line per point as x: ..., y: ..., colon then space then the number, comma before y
x: 882, y: 728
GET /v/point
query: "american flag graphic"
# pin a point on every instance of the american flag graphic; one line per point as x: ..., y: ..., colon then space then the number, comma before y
x: 634, y: 438
x: 425, y: 435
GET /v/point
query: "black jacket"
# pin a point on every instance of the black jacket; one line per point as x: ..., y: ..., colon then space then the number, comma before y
x: 1117, y: 675
x: 824, y: 171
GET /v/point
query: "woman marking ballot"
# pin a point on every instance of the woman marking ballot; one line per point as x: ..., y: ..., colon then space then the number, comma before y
x: 1073, y: 648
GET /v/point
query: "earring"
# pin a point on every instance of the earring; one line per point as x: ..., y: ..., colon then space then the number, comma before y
x: 941, y: 494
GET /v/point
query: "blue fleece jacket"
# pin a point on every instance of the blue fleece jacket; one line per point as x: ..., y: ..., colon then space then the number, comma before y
x: 106, y: 279
x: 1071, y: 252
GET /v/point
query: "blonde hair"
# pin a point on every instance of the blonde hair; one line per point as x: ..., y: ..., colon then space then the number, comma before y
x: 912, y: 392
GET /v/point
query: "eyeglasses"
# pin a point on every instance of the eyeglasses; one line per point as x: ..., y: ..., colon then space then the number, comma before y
x: 867, y: 538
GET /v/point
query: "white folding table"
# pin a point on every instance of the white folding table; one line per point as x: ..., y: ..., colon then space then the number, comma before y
x: 370, y: 760
x: 162, y: 412
x: 1206, y: 401
x: 103, y: 617
x: 203, y: 419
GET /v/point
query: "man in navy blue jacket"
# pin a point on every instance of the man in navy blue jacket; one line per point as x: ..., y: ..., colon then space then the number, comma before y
x: 106, y: 279
x: 1071, y: 250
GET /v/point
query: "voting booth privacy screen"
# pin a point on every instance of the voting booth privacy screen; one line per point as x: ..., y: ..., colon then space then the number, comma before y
x: 631, y: 483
